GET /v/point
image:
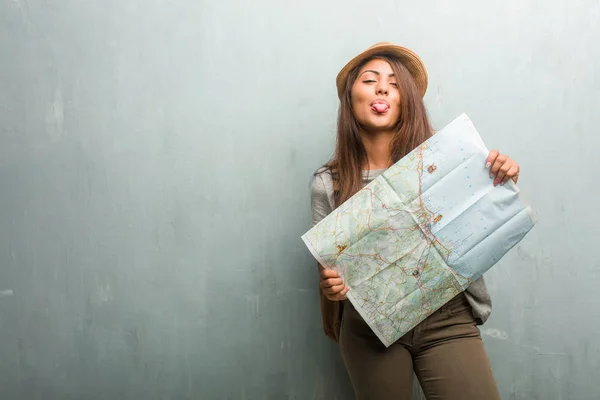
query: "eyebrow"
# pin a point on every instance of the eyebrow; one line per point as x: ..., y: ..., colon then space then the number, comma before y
x: 375, y: 72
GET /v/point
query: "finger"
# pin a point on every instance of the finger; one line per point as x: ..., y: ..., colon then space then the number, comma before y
x: 339, y: 296
x: 331, y: 282
x: 329, y: 273
x: 336, y: 298
x: 491, y: 158
x: 513, y: 172
x: 342, y: 295
x: 502, y: 172
x: 499, y: 162
x: 333, y: 290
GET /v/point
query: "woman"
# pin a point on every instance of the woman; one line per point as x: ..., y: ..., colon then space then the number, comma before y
x: 382, y: 117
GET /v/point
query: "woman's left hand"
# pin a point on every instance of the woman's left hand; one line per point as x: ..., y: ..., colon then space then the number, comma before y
x: 502, y: 167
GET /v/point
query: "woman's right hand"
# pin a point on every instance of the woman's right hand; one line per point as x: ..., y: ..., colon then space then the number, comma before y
x: 332, y: 285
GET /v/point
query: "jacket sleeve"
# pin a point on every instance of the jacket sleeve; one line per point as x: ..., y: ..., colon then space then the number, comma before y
x: 331, y: 311
x: 319, y: 199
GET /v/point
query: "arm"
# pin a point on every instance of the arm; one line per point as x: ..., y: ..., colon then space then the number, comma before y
x: 330, y: 283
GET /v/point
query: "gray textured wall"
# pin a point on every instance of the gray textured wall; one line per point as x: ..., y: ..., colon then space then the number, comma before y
x: 154, y: 166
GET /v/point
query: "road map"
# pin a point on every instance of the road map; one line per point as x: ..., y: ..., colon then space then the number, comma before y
x: 422, y: 231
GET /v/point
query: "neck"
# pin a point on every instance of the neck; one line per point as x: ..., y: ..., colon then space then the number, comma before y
x: 377, y: 146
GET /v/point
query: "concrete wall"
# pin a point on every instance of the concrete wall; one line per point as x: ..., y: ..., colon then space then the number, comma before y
x: 154, y: 165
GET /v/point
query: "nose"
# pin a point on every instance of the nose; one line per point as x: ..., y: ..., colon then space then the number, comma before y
x: 382, y: 88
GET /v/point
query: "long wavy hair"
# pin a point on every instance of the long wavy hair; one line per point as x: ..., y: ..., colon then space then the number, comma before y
x: 412, y: 129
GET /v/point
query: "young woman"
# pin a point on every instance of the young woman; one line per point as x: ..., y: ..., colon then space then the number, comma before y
x: 382, y: 117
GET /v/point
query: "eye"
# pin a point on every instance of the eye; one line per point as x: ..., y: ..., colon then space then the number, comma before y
x: 368, y: 81
x: 394, y: 84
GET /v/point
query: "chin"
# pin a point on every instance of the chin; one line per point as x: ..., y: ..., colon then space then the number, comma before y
x: 379, y: 126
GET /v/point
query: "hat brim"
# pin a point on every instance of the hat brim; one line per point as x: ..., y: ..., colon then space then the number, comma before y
x: 408, y: 58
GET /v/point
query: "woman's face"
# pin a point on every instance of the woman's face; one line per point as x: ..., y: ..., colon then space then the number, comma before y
x: 375, y: 97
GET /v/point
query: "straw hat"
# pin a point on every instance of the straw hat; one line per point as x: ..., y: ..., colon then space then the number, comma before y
x: 410, y: 60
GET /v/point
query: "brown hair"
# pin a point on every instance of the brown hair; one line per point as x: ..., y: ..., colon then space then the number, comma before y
x: 412, y: 129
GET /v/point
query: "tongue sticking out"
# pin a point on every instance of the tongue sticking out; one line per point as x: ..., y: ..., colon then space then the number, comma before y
x: 380, y: 107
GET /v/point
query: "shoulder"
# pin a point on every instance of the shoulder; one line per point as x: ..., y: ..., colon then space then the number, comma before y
x: 321, y: 194
x: 321, y: 182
